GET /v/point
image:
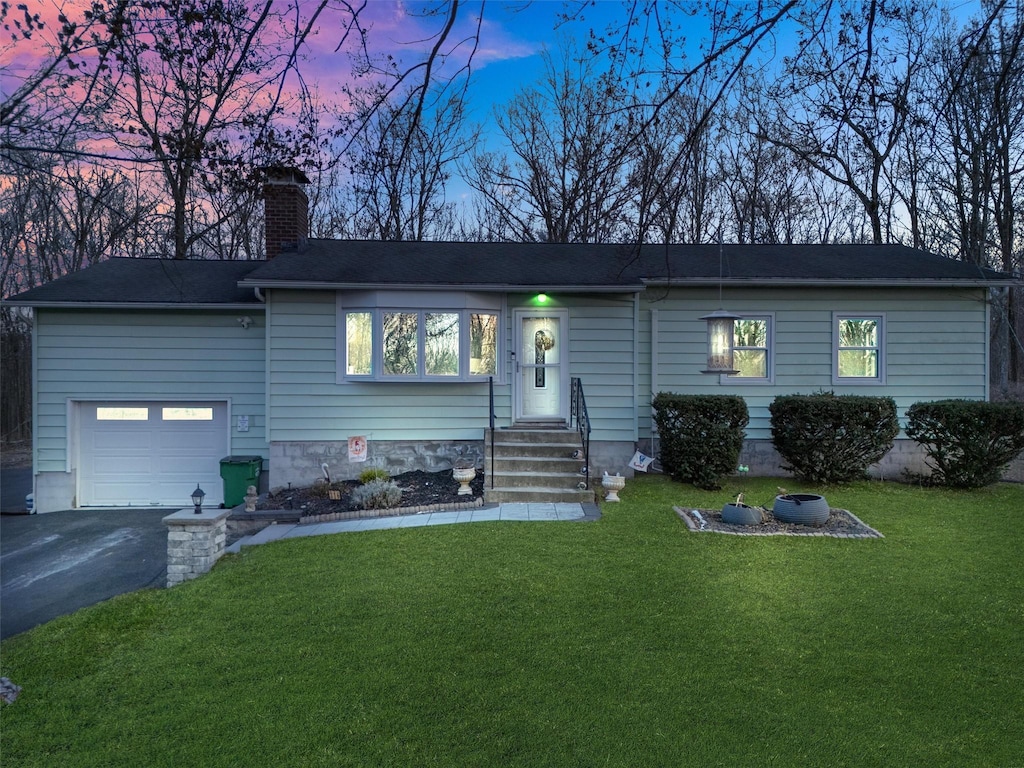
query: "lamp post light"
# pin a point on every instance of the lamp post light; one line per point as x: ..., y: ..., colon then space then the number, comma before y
x: 721, y: 323
x: 197, y: 499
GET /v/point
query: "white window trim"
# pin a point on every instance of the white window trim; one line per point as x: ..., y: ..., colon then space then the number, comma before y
x: 378, y: 302
x: 770, y: 357
x: 859, y: 381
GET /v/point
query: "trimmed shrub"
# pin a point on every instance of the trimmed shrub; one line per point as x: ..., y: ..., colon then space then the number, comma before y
x: 701, y: 436
x: 968, y: 442
x: 373, y: 473
x: 377, y: 494
x: 829, y: 438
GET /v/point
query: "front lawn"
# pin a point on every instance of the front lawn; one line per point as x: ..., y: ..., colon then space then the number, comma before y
x: 625, y: 642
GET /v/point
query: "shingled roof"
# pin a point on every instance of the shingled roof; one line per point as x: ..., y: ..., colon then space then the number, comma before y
x: 342, y: 264
x: 147, y: 282
x: 577, y: 267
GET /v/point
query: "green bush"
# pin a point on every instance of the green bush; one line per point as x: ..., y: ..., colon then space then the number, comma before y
x: 377, y: 494
x: 373, y: 473
x: 701, y: 436
x: 969, y: 442
x: 829, y: 438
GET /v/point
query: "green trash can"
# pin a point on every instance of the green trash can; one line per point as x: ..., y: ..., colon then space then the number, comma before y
x: 238, y: 473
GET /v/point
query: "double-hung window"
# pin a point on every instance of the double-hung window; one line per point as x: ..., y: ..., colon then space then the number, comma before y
x: 752, y: 349
x: 445, y: 337
x: 858, y: 349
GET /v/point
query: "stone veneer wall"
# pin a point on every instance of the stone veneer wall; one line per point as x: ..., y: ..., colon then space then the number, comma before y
x: 194, y: 542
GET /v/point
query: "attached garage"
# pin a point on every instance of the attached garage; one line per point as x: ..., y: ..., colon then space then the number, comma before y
x: 150, y: 453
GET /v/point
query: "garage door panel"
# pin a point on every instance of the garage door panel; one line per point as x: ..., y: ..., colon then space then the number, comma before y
x: 125, y: 460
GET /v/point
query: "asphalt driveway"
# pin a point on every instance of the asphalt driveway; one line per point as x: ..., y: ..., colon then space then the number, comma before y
x: 54, y: 564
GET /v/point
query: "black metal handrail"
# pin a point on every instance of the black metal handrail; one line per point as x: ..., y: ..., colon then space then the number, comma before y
x: 581, y: 419
x: 490, y: 394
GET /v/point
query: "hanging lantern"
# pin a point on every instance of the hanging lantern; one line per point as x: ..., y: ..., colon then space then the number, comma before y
x: 720, y: 338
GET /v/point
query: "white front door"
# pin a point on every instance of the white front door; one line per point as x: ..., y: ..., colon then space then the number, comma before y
x: 542, y: 363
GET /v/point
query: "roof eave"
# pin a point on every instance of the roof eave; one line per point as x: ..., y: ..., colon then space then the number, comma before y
x: 785, y: 282
x: 307, y: 285
x: 235, y: 306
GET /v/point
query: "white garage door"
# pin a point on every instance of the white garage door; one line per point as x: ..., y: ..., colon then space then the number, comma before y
x: 151, y: 454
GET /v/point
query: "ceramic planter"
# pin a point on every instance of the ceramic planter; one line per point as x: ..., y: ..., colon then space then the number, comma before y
x: 465, y: 476
x: 613, y: 484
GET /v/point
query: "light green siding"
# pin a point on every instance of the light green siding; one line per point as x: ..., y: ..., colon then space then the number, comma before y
x: 153, y: 355
x: 307, y: 403
x: 935, y: 345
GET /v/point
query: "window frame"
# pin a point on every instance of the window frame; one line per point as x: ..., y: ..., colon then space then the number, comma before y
x: 769, y: 353
x: 379, y: 303
x: 880, y: 373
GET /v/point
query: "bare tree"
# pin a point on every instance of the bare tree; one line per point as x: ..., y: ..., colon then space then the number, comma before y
x: 843, y: 106
x: 567, y: 182
x: 399, y: 164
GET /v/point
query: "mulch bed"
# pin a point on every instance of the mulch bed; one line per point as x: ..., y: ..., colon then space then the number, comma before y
x: 420, y: 490
x: 841, y: 524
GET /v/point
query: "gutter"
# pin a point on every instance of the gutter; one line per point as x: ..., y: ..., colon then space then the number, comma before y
x: 479, y: 287
x: 836, y: 282
x: 252, y: 306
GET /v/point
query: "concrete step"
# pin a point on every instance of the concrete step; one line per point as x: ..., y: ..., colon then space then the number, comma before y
x: 533, y: 464
x: 563, y: 436
x: 552, y: 450
x: 537, y: 478
x: 506, y: 495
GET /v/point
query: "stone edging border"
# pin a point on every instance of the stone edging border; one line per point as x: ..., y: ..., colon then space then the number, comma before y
x: 870, y: 534
x: 361, y: 514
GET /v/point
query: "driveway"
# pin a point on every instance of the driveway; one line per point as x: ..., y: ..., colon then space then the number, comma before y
x: 15, y: 484
x: 54, y: 564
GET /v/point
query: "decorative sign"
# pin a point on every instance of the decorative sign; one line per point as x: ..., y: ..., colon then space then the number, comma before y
x: 640, y: 462
x: 357, y: 448
x: 243, y: 423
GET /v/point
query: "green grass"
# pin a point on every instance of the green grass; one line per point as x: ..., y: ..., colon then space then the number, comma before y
x: 625, y: 642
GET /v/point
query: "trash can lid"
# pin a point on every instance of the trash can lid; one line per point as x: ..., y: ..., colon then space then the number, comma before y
x: 240, y: 459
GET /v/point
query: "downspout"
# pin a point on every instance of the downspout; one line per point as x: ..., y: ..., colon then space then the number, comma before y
x: 259, y: 295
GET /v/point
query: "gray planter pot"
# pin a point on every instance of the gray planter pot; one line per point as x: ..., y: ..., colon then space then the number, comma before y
x: 801, y: 508
x: 741, y: 514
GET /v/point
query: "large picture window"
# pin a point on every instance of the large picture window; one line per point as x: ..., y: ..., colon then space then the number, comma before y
x: 858, y: 349
x: 752, y: 349
x: 418, y: 344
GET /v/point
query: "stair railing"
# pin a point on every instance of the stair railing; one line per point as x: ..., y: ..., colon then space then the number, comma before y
x: 581, y: 419
x: 490, y: 395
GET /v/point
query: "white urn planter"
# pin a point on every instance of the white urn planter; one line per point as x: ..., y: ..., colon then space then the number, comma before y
x: 613, y: 484
x: 465, y: 476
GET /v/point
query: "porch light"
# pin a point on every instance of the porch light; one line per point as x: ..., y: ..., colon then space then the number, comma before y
x: 197, y: 499
x: 542, y: 298
x: 720, y: 338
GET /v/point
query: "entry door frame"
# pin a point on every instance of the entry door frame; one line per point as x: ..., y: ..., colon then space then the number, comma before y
x: 518, y: 316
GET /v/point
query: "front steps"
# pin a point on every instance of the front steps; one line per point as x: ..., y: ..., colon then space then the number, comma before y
x: 534, y: 465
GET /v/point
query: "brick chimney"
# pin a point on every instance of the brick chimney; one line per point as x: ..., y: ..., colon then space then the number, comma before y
x: 286, y: 210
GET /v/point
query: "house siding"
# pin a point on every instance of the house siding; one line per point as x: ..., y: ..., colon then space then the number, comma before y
x: 934, y: 349
x: 144, y: 355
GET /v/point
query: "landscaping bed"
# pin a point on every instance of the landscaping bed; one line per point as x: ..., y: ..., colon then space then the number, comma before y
x: 419, y: 490
x: 841, y: 524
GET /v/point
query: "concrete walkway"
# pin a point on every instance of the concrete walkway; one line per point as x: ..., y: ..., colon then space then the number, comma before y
x: 533, y: 512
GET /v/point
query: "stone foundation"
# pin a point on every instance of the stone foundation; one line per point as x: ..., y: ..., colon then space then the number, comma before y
x: 905, y: 456
x: 299, y: 463
x: 194, y: 542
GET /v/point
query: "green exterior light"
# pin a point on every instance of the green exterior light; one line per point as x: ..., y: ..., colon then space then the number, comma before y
x: 542, y: 298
